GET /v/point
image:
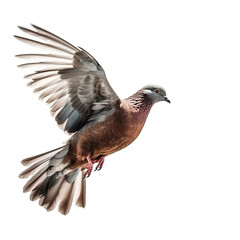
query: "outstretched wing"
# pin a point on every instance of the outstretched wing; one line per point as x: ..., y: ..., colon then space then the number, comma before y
x: 69, y: 78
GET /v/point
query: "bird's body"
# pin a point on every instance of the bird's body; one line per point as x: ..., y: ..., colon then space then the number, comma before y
x: 99, y: 139
x: 85, y: 105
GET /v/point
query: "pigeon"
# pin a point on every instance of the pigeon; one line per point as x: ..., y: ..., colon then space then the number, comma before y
x: 84, y: 105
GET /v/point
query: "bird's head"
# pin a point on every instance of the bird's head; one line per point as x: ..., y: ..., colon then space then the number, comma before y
x: 155, y: 93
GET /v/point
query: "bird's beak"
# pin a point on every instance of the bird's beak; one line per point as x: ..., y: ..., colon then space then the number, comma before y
x: 166, y: 99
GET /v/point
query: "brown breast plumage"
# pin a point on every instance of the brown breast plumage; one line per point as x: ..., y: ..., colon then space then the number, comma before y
x: 104, y: 138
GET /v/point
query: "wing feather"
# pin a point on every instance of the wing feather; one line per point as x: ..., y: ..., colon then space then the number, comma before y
x: 43, y: 46
x: 43, y: 56
x: 69, y: 78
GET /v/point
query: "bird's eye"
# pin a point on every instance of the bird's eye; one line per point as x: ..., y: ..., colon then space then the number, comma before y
x: 157, y: 90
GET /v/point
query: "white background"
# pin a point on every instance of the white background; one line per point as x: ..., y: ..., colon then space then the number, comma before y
x: 181, y: 178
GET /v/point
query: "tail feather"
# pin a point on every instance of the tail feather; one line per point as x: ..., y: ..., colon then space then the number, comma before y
x: 59, y: 156
x: 70, y: 177
x: 43, y: 187
x: 33, y: 168
x: 81, y: 196
x: 36, y: 158
x: 53, y: 183
x: 50, y: 200
x: 35, y: 180
x: 67, y: 195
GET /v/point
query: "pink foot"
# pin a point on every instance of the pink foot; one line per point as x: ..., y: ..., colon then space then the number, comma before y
x: 89, y: 168
x: 100, y: 162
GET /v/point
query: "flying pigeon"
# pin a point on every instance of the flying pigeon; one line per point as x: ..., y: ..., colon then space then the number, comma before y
x: 84, y: 105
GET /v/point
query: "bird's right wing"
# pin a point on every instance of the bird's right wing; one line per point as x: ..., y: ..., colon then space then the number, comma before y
x: 69, y: 78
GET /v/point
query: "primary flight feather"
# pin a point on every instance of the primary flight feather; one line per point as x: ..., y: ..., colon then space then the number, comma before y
x: 84, y: 105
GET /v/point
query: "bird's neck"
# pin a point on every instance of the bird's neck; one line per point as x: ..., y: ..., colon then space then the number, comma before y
x: 139, y: 105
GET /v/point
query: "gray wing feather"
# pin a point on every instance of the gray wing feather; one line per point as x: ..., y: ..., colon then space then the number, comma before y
x: 69, y: 78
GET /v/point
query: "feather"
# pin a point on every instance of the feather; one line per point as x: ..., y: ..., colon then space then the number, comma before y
x: 59, y: 157
x: 81, y: 196
x: 50, y: 69
x: 58, y: 167
x: 38, y: 74
x: 42, y: 188
x: 63, y: 152
x: 71, y: 177
x: 41, y: 78
x: 67, y: 194
x: 59, y: 104
x: 56, y: 96
x: 65, y: 112
x: 43, y: 45
x: 71, y: 73
x: 39, y: 157
x: 79, y: 123
x: 42, y: 35
x: 40, y: 64
x: 77, y: 104
x: 39, y: 56
x: 33, y: 168
x: 90, y: 56
x: 55, y: 37
x: 50, y: 90
x: 52, y: 83
x: 50, y: 200
x: 35, y: 180
x: 73, y: 122
x: 100, y: 105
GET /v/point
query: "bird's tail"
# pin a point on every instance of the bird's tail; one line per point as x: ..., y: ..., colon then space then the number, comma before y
x: 51, y: 183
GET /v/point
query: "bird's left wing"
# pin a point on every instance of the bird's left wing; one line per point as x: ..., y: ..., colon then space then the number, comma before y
x: 69, y: 78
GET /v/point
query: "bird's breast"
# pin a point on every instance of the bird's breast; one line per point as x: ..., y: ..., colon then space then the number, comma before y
x: 115, y: 133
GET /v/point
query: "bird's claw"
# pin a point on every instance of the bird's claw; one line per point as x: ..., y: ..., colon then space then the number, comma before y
x: 98, y: 167
x: 88, y: 169
x: 100, y: 164
x: 87, y: 173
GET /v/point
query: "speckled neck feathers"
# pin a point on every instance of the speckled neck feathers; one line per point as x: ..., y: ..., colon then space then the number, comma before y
x: 139, y: 104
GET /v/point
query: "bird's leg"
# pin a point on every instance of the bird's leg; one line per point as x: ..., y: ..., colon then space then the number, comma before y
x: 100, y: 162
x: 89, y: 168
